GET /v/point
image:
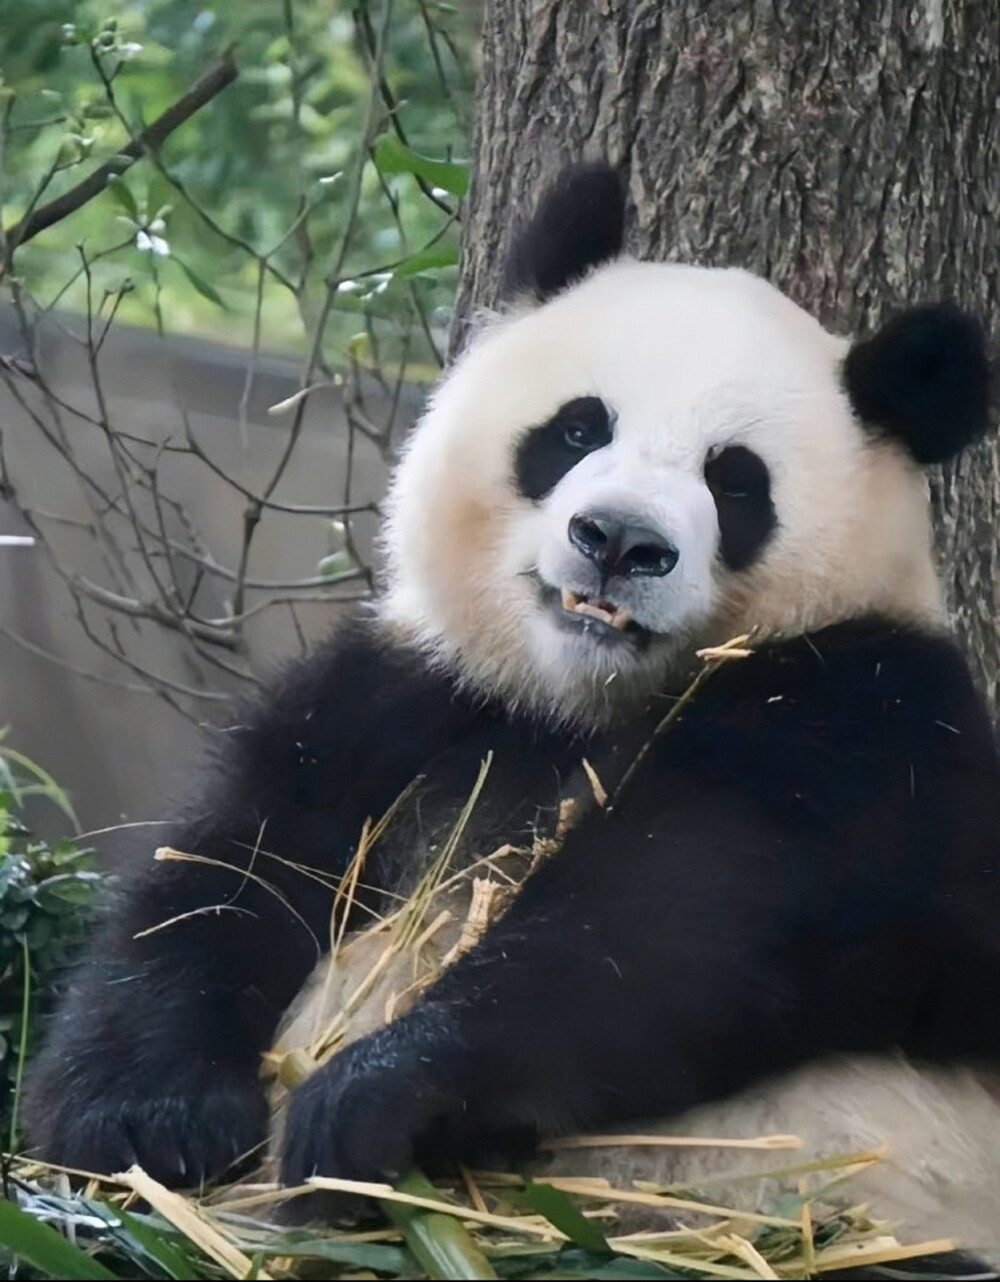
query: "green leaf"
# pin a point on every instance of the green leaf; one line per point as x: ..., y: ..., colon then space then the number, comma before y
x: 360, y: 348
x: 380, y: 1258
x: 441, y: 1244
x: 559, y: 1210
x: 40, y: 931
x: 392, y: 157
x: 123, y: 198
x: 50, y: 788
x: 427, y: 260
x: 200, y: 284
x: 70, y: 887
x: 619, y: 1269
x: 143, y: 1240
x: 42, y: 1247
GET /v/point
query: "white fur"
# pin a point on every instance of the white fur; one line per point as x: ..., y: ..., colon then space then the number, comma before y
x: 688, y: 359
x: 935, y: 1129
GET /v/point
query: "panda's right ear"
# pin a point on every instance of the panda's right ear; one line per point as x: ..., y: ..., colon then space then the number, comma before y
x: 579, y: 223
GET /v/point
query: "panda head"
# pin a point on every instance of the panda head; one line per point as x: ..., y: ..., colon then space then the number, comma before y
x: 639, y: 459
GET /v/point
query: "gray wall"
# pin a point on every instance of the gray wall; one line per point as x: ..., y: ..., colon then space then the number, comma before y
x: 123, y: 755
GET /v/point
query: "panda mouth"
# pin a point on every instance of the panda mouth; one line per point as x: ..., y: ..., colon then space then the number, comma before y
x: 597, y: 617
x: 604, y: 611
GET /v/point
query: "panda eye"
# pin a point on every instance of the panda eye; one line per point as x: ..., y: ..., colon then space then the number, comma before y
x: 547, y: 452
x: 579, y: 436
x: 740, y: 484
x: 586, y: 424
x: 736, y: 473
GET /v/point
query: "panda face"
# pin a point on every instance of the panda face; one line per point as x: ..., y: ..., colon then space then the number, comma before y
x: 654, y: 460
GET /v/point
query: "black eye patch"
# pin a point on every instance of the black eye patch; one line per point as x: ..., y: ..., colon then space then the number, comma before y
x: 741, y: 486
x: 546, y: 453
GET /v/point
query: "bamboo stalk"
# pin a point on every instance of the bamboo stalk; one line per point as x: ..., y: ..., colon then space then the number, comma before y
x: 441, y: 1244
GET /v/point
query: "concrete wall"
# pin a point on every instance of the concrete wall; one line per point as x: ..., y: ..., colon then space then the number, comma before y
x: 124, y: 755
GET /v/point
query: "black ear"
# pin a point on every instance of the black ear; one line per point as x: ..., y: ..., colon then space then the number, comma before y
x: 579, y: 223
x: 924, y: 379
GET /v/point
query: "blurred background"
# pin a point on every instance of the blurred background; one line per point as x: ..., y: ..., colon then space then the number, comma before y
x: 227, y: 273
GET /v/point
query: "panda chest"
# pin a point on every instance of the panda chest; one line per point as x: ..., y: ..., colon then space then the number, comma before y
x: 451, y: 853
x: 491, y: 815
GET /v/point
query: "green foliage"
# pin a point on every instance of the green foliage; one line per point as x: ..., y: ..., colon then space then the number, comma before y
x: 46, y: 896
x: 254, y: 200
x: 560, y: 1210
x: 44, y: 1248
x: 107, y: 1241
x: 282, y: 175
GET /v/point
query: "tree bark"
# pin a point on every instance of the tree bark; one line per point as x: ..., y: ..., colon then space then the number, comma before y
x: 849, y: 152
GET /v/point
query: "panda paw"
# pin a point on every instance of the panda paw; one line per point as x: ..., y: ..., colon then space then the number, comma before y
x: 383, y: 1104
x: 361, y: 1116
x: 182, y: 1139
x: 397, y: 1098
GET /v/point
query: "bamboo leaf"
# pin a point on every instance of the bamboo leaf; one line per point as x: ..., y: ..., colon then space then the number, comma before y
x: 602, y: 1269
x: 142, y: 1239
x: 378, y: 1256
x: 559, y: 1210
x: 50, y: 788
x: 45, y: 1249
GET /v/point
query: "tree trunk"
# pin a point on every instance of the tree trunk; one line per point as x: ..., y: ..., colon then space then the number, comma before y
x: 850, y: 152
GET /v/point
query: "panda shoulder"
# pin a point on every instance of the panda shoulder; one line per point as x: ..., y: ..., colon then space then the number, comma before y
x: 909, y: 677
x: 357, y: 701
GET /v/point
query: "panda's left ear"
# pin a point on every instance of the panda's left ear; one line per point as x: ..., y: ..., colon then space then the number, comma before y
x: 578, y: 224
x: 924, y: 379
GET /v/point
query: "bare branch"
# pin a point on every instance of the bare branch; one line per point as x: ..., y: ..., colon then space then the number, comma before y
x: 143, y: 562
x: 41, y: 653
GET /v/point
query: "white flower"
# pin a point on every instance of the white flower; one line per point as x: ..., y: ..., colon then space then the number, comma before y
x: 152, y: 244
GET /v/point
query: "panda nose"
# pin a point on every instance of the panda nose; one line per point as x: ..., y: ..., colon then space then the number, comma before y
x: 619, y: 546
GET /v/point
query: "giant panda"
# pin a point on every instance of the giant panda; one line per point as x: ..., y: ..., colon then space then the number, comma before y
x: 630, y: 463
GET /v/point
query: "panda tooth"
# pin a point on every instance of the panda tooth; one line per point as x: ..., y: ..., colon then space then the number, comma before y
x: 604, y: 611
x: 594, y: 610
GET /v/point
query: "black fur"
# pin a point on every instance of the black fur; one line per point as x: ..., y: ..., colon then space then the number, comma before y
x: 153, y: 1055
x: 546, y: 453
x: 924, y: 379
x: 806, y: 862
x: 741, y: 487
x: 579, y: 224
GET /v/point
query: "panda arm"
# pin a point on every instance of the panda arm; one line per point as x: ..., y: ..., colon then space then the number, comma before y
x: 778, y: 886
x: 959, y: 1016
x: 153, y: 1052
x: 623, y: 981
